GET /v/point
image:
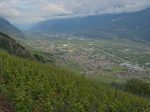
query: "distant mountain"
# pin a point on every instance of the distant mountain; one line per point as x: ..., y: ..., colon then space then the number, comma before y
x: 7, y: 28
x: 126, y: 25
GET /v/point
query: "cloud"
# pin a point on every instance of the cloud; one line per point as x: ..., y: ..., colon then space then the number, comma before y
x: 32, y: 11
x: 106, y: 6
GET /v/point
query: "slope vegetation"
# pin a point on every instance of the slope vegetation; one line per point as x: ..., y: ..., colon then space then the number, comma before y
x: 11, y: 46
x: 34, y: 87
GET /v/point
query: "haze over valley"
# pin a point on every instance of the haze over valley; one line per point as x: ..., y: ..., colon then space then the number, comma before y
x: 74, y: 56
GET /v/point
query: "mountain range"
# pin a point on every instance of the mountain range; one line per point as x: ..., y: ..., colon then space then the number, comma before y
x: 7, y: 28
x: 135, y: 25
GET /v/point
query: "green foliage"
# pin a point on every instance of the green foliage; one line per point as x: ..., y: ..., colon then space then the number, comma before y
x: 44, y: 57
x: 34, y: 87
x: 11, y: 46
x: 138, y: 87
x: 39, y: 57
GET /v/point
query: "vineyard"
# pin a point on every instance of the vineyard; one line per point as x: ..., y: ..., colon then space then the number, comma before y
x: 34, y: 87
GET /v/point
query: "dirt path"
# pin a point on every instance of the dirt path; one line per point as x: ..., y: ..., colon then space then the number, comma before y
x: 4, y: 105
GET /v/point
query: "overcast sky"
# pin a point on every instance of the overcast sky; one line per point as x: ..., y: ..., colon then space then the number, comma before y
x: 32, y: 11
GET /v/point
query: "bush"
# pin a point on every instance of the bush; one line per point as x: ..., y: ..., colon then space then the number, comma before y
x: 138, y: 87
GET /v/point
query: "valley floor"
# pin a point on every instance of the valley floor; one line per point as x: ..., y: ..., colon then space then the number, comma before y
x: 105, y: 60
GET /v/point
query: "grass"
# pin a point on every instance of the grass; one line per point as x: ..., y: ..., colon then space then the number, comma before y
x: 34, y: 87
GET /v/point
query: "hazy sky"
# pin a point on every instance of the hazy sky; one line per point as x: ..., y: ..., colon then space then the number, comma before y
x: 32, y: 11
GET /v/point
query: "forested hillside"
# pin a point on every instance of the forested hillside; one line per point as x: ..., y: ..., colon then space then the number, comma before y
x: 11, y: 46
x: 33, y: 87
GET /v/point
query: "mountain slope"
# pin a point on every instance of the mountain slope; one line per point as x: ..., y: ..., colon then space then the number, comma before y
x: 128, y: 25
x: 31, y: 86
x: 14, y: 48
x: 11, y: 46
x: 7, y: 28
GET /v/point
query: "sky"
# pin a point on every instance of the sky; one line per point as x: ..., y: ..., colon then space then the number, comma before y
x: 33, y: 11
